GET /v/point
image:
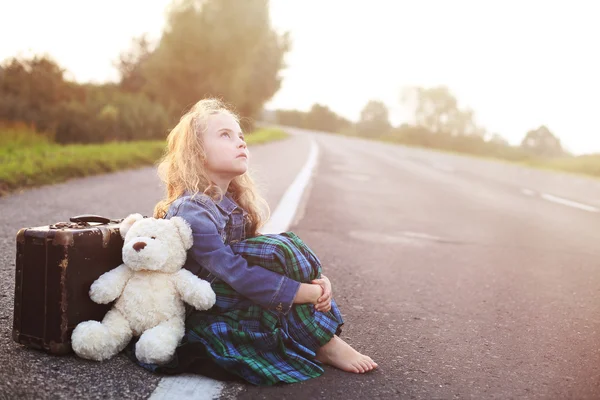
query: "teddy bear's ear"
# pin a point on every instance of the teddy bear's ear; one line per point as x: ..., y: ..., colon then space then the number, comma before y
x: 128, y: 222
x: 184, y: 230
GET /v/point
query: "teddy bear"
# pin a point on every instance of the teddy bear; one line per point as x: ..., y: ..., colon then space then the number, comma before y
x: 150, y: 289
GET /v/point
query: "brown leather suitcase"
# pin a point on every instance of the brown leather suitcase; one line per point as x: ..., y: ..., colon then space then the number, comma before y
x: 55, y: 267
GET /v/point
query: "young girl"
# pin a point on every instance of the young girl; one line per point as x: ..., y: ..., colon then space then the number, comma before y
x: 265, y: 327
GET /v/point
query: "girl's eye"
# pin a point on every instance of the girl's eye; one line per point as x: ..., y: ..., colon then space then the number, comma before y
x: 224, y: 133
x: 152, y: 237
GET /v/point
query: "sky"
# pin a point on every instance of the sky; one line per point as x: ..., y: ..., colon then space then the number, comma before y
x: 517, y: 64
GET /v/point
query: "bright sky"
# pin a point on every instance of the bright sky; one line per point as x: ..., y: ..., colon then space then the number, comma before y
x: 517, y: 64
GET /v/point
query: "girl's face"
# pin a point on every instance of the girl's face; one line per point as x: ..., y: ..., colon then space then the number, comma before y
x: 226, y: 151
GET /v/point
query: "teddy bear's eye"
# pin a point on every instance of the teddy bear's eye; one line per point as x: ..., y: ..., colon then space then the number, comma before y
x: 152, y: 237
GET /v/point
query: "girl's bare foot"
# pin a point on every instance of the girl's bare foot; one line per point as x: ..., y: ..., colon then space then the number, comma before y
x: 340, y: 354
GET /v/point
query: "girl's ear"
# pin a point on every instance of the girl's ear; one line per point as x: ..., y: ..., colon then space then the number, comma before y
x: 184, y: 230
x: 128, y: 222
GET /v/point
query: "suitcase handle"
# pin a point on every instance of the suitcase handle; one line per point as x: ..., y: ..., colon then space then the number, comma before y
x: 92, y: 218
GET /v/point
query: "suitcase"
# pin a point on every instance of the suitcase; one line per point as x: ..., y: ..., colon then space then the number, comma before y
x: 55, y: 267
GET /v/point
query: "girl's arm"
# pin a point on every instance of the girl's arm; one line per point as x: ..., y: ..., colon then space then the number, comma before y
x: 267, y: 288
x: 308, y: 293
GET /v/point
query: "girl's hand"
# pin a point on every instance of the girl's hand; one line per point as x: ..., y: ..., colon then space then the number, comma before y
x: 324, y: 302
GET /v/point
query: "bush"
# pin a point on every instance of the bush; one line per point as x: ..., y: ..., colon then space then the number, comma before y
x: 116, y: 117
x: 34, y: 91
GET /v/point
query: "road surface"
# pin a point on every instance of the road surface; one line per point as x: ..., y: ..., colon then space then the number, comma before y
x: 462, y: 278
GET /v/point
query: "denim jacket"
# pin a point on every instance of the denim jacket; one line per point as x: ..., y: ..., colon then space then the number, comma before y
x: 214, y: 227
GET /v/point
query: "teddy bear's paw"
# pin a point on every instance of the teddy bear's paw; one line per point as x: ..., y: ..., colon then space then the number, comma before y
x: 203, y: 297
x: 93, y: 341
x: 156, y: 346
x: 148, y: 353
x: 101, y: 294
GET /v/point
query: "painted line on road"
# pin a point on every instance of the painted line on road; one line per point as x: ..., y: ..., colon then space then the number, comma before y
x: 286, y: 210
x: 569, y: 203
x: 187, y: 386
x: 528, y: 192
x: 198, y: 387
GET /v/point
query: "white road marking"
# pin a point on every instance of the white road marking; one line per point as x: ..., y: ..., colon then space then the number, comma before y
x: 407, y: 238
x: 422, y: 236
x: 187, y: 386
x: 569, y: 203
x: 198, y: 387
x: 283, y: 216
x: 528, y: 192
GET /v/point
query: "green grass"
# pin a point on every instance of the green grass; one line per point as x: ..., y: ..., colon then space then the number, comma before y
x: 582, y: 165
x: 29, y: 159
x: 264, y: 135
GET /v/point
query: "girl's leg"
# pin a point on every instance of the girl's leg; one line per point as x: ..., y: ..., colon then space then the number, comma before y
x: 301, y: 264
x: 340, y: 354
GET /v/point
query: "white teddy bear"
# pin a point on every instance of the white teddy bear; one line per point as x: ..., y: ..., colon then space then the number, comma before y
x: 150, y: 288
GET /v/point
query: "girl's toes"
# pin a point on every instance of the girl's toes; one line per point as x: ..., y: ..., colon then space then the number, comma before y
x: 372, y: 363
x: 359, y: 367
x: 367, y: 362
x: 363, y: 366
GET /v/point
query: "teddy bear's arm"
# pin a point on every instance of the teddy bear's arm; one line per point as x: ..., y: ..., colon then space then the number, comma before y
x: 110, y: 284
x: 193, y: 290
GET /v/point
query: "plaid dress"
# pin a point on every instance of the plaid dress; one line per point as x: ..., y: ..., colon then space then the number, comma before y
x: 242, y: 339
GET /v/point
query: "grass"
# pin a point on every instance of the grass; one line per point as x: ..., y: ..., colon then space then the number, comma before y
x: 29, y: 159
x: 588, y: 165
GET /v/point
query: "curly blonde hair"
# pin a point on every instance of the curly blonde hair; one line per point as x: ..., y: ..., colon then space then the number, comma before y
x: 182, y: 167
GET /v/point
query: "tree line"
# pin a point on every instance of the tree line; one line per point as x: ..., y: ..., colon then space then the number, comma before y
x: 438, y: 122
x: 216, y: 48
x: 226, y: 49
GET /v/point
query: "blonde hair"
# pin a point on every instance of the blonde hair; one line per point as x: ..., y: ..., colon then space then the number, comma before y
x: 182, y: 167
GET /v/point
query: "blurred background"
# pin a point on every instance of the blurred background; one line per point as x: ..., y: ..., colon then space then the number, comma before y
x: 86, y: 88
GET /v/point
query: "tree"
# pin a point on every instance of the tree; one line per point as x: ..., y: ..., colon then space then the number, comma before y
x: 260, y: 80
x: 291, y: 118
x: 542, y: 142
x: 219, y: 48
x: 374, y: 119
x: 131, y: 64
x: 437, y: 110
x: 32, y: 88
x: 498, y: 139
x: 322, y: 118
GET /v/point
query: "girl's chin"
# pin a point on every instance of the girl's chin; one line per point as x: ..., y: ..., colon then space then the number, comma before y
x: 240, y: 171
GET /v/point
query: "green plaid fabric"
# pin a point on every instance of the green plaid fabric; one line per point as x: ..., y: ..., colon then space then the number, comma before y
x: 261, y: 346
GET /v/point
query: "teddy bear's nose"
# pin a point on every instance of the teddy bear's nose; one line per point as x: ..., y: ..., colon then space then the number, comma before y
x: 139, y: 246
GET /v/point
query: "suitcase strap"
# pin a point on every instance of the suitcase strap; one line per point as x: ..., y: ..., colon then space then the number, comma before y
x: 86, y: 218
x: 83, y: 221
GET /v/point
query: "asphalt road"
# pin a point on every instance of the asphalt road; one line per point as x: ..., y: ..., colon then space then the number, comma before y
x: 31, y: 374
x: 461, y: 278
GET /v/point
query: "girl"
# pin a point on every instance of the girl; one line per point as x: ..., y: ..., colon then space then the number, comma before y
x: 266, y: 327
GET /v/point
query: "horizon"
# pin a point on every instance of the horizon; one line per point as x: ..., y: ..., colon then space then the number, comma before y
x: 518, y: 65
